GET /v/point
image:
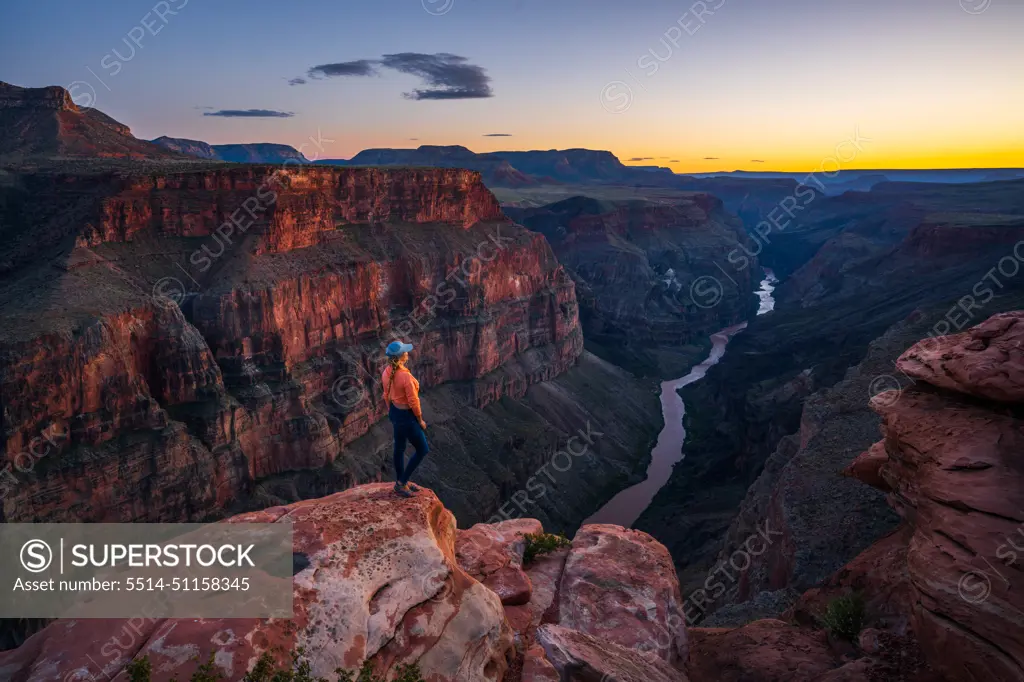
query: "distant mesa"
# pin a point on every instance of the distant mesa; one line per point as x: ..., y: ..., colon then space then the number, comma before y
x: 510, y: 168
x: 195, y: 148
x: 258, y: 152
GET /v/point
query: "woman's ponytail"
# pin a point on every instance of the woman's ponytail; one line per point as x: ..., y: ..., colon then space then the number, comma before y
x: 396, y: 362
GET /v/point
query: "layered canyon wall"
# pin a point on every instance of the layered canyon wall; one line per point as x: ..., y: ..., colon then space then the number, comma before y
x: 170, y: 339
x: 645, y: 274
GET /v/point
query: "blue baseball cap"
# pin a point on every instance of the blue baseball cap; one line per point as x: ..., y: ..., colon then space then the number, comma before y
x: 396, y: 348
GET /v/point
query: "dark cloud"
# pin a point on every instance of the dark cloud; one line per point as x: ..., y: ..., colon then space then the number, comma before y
x: 444, y: 75
x: 447, y: 76
x: 250, y: 113
x: 642, y: 158
x: 497, y: 134
x: 711, y: 158
x: 360, y: 67
x: 414, y: 139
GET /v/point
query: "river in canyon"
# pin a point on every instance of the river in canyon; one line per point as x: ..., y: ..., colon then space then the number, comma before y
x: 625, y: 508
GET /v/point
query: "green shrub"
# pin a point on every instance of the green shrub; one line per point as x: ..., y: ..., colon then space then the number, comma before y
x: 403, y: 673
x: 266, y: 670
x: 139, y: 670
x: 542, y: 543
x: 844, y: 616
x: 207, y: 672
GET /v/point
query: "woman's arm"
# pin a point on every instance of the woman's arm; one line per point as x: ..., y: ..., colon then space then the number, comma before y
x: 412, y: 397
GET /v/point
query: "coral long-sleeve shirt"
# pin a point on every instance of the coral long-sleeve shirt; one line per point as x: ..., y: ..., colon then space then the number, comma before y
x: 404, y: 392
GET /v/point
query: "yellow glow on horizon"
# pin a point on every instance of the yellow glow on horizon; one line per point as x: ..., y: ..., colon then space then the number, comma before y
x: 923, y: 160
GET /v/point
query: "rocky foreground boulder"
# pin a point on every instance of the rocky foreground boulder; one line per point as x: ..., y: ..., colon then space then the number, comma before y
x: 381, y: 584
x: 393, y: 582
x: 953, y: 469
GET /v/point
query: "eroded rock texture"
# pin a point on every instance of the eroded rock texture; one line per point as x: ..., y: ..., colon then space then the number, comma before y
x: 46, y: 122
x: 391, y: 581
x: 646, y: 273
x: 168, y: 340
x: 381, y: 584
x: 954, y: 473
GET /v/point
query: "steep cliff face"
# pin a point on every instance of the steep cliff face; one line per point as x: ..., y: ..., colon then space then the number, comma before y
x: 881, y: 263
x: 948, y: 578
x: 646, y: 276
x: 173, y: 338
x: 819, y: 519
x: 950, y: 463
x: 45, y: 122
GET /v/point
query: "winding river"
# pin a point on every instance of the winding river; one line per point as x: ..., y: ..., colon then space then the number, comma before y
x: 625, y: 508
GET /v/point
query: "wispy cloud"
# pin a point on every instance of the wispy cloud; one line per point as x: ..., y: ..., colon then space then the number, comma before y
x: 711, y: 158
x: 642, y: 158
x: 675, y: 161
x: 756, y: 161
x: 360, y: 67
x: 497, y: 134
x: 444, y: 75
x: 250, y: 113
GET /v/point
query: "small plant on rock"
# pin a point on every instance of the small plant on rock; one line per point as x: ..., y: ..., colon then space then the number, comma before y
x: 844, y: 616
x: 139, y: 670
x: 403, y: 673
x: 266, y: 670
x: 207, y: 672
x: 543, y: 543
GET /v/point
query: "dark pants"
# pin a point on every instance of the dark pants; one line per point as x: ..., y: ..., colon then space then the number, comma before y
x: 407, y: 430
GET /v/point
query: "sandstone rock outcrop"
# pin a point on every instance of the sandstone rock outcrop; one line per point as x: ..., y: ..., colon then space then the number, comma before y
x: 579, y: 656
x: 493, y: 554
x: 607, y: 607
x: 986, y: 362
x: 391, y: 581
x: 954, y: 471
x: 381, y: 583
x: 763, y: 650
x: 46, y: 123
x: 621, y: 585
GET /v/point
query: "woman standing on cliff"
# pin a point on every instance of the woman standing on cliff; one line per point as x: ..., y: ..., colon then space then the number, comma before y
x: 402, y: 396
